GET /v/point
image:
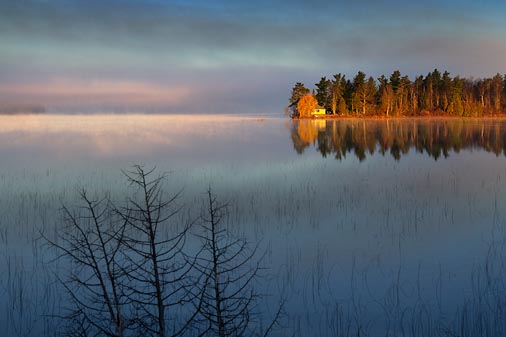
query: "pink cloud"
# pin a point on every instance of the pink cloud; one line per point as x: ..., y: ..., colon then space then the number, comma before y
x: 98, y: 92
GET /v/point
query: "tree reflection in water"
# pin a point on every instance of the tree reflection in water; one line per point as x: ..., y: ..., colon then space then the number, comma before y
x: 435, y: 137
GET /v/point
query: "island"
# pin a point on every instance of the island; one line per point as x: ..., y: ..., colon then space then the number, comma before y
x: 436, y: 94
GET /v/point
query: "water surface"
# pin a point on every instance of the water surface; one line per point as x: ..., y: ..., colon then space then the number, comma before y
x: 377, y: 227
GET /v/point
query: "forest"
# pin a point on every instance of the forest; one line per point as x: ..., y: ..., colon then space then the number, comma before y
x: 437, y: 94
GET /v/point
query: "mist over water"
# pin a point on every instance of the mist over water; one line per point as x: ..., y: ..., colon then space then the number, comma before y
x: 371, y: 227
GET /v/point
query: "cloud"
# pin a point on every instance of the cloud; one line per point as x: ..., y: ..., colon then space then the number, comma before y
x: 201, y: 35
x: 232, y: 55
x: 67, y: 91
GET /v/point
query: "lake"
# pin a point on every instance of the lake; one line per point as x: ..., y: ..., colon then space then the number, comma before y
x: 367, y: 227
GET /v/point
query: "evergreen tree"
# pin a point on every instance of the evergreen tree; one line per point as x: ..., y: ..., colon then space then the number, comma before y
x: 497, y: 83
x: 337, y: 101
x: 455, y: 105
x: 323, y: 92
x: 386, y: 93
x: 395, y: 80
x: 416, y: 95
x: 298, y: 91
x: 402, y: 96
x: 369, y: 96
x: 446, y: 89
x: 436, y: 82
x: 358, y: 89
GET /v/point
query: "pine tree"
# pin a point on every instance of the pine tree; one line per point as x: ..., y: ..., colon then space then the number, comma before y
x: 298, y: 91
x: 323, y: 92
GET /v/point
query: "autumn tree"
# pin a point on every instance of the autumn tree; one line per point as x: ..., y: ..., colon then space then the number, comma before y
x: 307, y: 105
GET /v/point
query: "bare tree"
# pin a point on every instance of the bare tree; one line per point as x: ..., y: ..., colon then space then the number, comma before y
x: 125, y: 265
x: 227, y: 270
x: 90, y: 241
x: 127, y: 272
x: 156, y: 265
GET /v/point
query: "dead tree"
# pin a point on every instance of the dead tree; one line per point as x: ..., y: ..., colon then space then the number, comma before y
x: 227, y: 269
x: 156, y: 265
x: 127, y: 272
x: 90, y: 244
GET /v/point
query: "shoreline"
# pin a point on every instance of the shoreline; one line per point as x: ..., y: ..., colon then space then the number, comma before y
x: 379, y: 118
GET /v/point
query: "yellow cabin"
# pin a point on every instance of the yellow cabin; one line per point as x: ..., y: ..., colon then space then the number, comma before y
x: 318, y: 111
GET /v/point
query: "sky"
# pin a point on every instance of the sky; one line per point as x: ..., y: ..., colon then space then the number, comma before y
x: 226, y: 56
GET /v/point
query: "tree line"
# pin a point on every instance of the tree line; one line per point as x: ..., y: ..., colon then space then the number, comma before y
x: 397, y: 137
x: 397, y: 95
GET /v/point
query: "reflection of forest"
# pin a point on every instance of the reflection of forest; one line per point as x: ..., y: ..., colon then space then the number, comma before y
x: 435, y: 137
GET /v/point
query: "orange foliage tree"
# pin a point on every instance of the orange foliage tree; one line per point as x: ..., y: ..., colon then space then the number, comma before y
x: 306, y: 105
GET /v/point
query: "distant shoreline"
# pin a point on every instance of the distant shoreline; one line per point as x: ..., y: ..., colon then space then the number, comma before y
x: 27, y: 109
x: 2, y: 113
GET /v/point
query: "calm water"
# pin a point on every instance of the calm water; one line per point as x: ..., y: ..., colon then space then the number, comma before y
x: 373, y: 227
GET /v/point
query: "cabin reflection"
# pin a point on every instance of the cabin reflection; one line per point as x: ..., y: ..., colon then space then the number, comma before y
x: 435, y: 137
